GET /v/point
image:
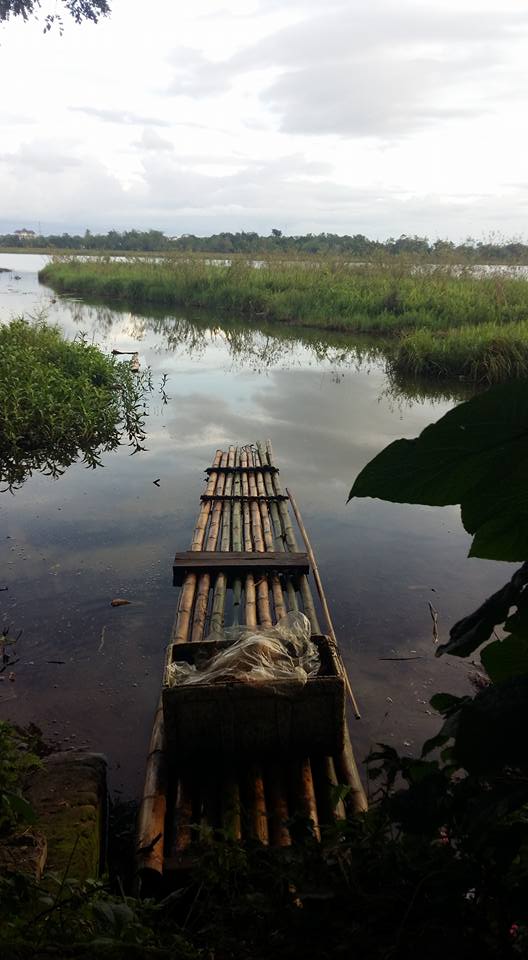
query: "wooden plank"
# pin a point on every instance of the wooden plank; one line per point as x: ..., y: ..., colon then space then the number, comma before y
x: 237, y: 562
x: 237, y: 496
x: 251, y: 468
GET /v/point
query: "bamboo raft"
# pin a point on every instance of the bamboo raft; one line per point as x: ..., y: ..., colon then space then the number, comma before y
x: 244, y: 567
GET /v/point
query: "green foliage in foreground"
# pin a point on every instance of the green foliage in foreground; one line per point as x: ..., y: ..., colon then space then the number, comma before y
x: 60, y: 400
x: 475, y: 455
x: 17, y: 759
x: 437, y: 868
x: 79, y: 10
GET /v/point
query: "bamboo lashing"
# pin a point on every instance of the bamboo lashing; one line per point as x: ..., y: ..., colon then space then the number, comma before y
x: 324, y: 604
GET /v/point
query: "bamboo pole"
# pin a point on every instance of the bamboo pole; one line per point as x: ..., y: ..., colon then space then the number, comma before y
x: 183, y: 811
x: 231, y: 818
x: 258, y: 824
x: 263, y: 606
x: 278, y: 807
x: 219, y: 593
x: 305, y: 793
x: 204, y: 582
x: 258, y: 820
x: 237, y: 542
x: 151, y: 818
x: 324, y: 604
x: 279, y: 541
x: 348, y: 774
x: 291, y: 542
x: 278, y: 598
x: 330, y: 807
x: 209, y: 805
x: 180, y: 631
x: 250, y: 593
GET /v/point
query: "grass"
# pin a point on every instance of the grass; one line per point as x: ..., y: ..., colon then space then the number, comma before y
x: 489, y: 353
x: 442, y: 323
x: 60, y: 400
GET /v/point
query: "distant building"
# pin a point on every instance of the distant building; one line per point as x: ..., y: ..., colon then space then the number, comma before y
x: 25, y: 234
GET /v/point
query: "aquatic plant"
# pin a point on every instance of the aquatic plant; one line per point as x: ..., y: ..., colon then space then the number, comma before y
x: 62, y: 400
x: 485, y: 354
x: 333, y: 294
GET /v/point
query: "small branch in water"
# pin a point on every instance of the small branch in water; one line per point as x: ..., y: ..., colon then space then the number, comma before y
x: 400, y: 658
x: 434, y: 618
x: 101, y: 643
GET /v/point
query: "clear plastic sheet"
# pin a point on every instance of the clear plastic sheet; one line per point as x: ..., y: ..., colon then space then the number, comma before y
x: 255, y: 655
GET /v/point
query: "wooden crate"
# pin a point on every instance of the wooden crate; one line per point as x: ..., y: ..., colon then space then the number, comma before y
x: 270, y: 717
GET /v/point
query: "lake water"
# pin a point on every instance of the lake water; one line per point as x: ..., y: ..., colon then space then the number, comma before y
x: 89, y: 674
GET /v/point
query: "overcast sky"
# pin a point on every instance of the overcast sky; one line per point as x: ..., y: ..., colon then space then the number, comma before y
x: 379, y: 117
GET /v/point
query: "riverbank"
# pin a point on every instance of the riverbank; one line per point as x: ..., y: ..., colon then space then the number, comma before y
x: 441, y: 323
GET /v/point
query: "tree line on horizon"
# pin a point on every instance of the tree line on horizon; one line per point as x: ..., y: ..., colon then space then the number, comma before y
x: 248, y: 242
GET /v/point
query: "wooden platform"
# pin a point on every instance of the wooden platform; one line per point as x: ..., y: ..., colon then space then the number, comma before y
x: 247, y: 564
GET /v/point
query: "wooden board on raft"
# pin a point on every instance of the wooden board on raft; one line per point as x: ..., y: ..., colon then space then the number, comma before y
x: 247, y: 790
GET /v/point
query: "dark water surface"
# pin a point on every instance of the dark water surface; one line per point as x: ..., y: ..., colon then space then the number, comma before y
x: 68, y: 546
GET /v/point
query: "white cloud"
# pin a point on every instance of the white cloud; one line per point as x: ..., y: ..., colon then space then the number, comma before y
x: 391, y: 117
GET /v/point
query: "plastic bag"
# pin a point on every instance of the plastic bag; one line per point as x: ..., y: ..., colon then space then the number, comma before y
x: 256, y: 654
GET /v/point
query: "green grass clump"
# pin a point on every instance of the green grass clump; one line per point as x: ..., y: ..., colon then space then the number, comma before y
x: 336, y: 295
x: 59, y: 400
x: 483, y: 354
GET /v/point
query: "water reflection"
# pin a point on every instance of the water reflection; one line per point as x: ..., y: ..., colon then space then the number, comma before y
x: 266, y: 346
x: 68, y: 547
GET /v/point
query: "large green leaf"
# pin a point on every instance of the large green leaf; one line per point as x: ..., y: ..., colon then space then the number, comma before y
x: 477, y: 456
x: 508, y: 658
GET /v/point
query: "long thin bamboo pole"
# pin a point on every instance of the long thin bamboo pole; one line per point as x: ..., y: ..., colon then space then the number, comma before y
x: 180, y: 631
x: 204, y: 582
x: 278, y: 598
x: 237, y: 542
x: 324, y: 604
x: 151, y: 818
x: 263, y: 606
x: 291, y: 542
x: 220, y: 588
x: 250, y: 592
x: 258, y: 823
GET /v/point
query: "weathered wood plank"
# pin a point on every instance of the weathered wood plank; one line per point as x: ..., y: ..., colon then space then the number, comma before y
x: 238, y: 562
